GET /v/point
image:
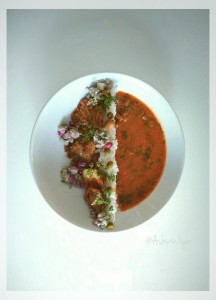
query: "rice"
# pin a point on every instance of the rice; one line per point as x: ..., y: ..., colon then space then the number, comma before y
x: 104, y: 158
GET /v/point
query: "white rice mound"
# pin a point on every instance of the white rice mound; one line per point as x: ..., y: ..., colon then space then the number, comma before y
x: 104, y: 158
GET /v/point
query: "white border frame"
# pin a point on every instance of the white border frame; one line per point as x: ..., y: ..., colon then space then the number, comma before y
x: 111, y: 4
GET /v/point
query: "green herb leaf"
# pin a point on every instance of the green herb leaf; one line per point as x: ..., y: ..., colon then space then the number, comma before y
x: 108, y: 100
x: 111, y: 176
x: 89, y: 173
x: 100, y: 201
x: 88, y: 135
x: 111, y: 208
x: 106, y: 191
x: 101, y: 169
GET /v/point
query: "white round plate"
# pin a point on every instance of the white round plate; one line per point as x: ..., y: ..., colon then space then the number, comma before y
x: 47, y: 154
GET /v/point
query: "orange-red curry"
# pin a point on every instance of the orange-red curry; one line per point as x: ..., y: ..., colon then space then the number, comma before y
x: 141, y: 152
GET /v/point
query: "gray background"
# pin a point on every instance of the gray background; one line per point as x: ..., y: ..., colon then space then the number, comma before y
x: 169, y: 50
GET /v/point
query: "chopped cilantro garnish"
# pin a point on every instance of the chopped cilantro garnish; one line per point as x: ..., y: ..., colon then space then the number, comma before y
x: 108, y: 100
x: 88, y: 135
x: 102, y: 170
x: 89, y: 173
x: 106, y: 196
x: 111, y: 208
x: 111, y: 176
x: 106, y: 191
x: 100, y: 201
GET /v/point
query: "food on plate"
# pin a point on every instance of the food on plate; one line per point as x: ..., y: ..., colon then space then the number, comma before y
x: 90, y: 144
x: 117, y: 151
x: 141, y: 153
